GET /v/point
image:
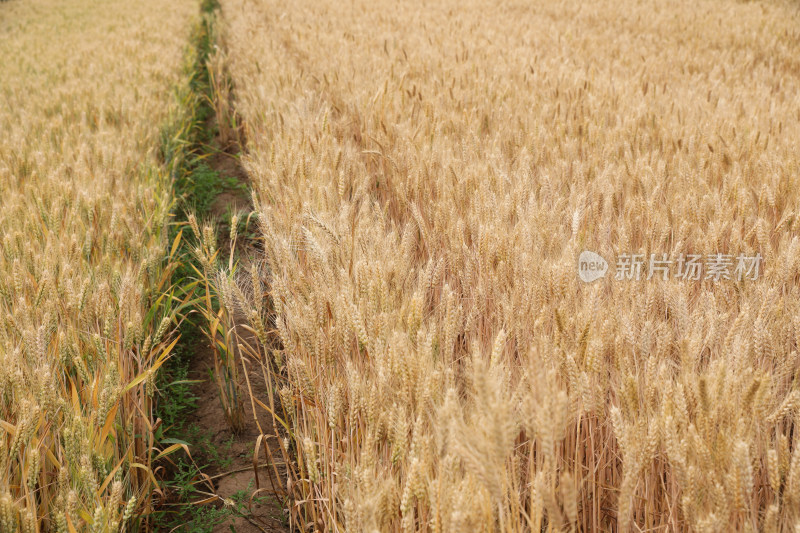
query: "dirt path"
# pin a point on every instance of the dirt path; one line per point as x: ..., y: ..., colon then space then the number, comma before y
x: 267, y: 512
x: 235, y: 474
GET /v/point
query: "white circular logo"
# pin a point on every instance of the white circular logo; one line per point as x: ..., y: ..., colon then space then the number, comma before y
x: 591, y: 266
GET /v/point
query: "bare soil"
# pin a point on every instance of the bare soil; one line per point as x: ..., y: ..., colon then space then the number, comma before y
x: 268, y: 513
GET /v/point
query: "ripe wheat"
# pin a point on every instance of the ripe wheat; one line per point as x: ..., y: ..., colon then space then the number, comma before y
x: 426, y: 175
x: 84, y: 200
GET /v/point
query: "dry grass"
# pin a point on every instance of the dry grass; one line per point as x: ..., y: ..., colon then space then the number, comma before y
x: 426, y: 176
x: 85, y: 88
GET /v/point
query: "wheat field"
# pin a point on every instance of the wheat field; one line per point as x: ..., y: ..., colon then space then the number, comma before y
x: 428, y: 178
x: 85, y: 88
x: 426, y: 175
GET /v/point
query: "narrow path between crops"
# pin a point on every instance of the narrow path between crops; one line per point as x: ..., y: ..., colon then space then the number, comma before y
x: 234, y: 480
x: 233, y: 472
